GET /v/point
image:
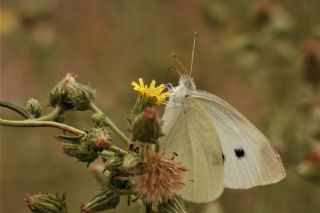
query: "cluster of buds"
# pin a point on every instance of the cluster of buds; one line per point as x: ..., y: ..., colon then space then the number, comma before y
x: 142, y: 172
x: 71, y: 95
x: 86, y: 148
x: 41, y: 203
x: 107, y: 198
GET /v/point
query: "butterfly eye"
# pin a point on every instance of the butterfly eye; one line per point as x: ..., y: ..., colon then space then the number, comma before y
x: 240, y: 153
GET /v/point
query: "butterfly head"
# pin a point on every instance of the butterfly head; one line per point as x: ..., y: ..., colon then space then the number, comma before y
x: 187, y: 82
x: 181, y: 92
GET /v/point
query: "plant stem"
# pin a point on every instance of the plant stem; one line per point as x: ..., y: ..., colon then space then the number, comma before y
x: 39, y: 123
x: 19, y: 109
x: 110, y: 124
x: 56, y: 112
x: 117, y: 150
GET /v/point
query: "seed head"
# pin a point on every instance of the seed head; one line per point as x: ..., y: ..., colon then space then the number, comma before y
x: 159, y: 179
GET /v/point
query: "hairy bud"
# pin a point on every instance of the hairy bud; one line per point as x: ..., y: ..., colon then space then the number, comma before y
x: 106, y: 199
x: 146, y: 126
x: 33, y: 107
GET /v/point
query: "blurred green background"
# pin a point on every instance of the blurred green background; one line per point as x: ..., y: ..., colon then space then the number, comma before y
x: 263, y: 57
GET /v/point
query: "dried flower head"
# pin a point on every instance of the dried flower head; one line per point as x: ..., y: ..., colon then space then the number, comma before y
x: 159, y: 179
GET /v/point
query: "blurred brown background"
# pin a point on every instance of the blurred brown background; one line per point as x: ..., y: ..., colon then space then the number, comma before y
x: 261, y: 56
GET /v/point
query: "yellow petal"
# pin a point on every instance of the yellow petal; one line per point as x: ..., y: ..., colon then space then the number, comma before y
x: 135, y: 84
x: 152, y: 84
x: 141, y: 83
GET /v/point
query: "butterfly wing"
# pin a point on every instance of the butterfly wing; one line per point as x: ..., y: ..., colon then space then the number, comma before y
x: 189, y: 134
x: 249, y: 159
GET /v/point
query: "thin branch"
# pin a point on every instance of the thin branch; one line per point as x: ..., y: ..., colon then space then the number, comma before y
x: 18, y: 109
x: 55, y: 113
x: 117, y: 150
x: 37, y: 123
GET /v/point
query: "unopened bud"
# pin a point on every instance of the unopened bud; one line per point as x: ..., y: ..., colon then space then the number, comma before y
x: 131, y: 160
x: 33, y: 107
x: 113, y: 162
x: 99, y: 119
x: 99, y: 138
x: 71, y: 95
x: 43, y: 203
x: 82, y: 151
x: 174, y: 205
x: 106, y: 199
x: 146, y: 126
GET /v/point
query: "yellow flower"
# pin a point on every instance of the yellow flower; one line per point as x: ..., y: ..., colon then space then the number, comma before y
x: 156, y: 94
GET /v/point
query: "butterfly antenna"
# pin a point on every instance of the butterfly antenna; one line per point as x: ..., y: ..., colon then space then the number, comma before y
x: 179, y: 62
x: 193, y: 48
x: 171, y: 69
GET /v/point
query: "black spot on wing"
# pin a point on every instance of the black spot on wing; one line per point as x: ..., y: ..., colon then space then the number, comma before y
x: 223, y: 157
x: 239, y: 153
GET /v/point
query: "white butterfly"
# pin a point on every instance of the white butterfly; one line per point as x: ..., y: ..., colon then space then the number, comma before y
x: 217, y: 144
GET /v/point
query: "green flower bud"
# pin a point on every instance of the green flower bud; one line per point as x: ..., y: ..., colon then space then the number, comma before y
x: 131, y: 160
x: 99, y: 119
x: 175, y: 205
x: 82, y: 151
x: 146, y: 126
x: 33, y: 107
x: 113, y: 162
x: 106, y: 199
x: 46, y: 203
x: 71, y: 95
x: 99, y: 138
